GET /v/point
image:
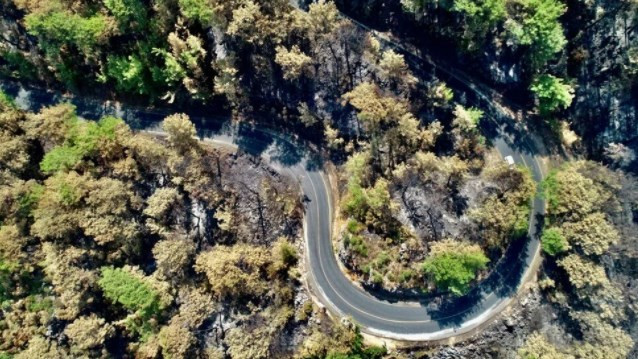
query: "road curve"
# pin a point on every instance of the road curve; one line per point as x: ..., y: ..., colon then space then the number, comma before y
x: 404, y: 321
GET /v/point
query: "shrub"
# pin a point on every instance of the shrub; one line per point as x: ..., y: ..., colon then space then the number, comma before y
x: 356, y: 243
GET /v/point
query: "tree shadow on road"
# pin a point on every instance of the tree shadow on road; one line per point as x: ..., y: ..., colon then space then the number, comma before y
x: 251, y: 140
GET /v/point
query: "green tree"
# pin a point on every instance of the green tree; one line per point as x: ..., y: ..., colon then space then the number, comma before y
x: 552, y: 94
x: 120, y: 286
x: 453, y: 265
x: 553, y: 241
x: 184, y: 64
x: 57, y: 28
x: 83, y: 141
x: 197, y: 10
x: 128, y: 13
x: 129, y: 74
x: 536, y: 24
x: 481, y: 16
x: 484, y: 11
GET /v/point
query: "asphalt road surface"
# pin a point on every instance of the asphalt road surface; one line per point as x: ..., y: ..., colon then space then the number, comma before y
x: 409, y: 320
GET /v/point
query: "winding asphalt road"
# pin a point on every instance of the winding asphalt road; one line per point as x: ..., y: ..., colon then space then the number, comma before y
x: 417, y: 321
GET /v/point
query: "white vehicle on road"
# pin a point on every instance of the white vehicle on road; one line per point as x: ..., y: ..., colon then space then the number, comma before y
x: 510, y: 161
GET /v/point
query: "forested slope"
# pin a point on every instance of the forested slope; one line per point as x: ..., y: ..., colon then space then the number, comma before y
x: 165, y: 247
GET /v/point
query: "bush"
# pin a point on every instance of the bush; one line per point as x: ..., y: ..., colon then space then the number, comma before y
x: 356, y: 243
x: 382, y: 260
x: 406, y: 275
x: 354, y: 226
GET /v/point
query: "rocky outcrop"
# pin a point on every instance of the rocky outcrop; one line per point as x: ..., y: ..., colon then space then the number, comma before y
x: 605, y: 109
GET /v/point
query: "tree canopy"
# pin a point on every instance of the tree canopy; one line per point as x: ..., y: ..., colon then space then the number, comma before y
x: 454, y: 265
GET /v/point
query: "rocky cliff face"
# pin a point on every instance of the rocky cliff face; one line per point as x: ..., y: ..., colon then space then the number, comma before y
x: 603, y: 40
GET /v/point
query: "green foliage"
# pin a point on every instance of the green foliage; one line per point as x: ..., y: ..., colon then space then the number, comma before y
x: 357, y: 165
x: 127, y: 11
x: 354, y: 226
x: 382, y: 260
x: 16, y: 65
x: 453, y: 270
x: 446, y: 93
x: 82, y: 141
x: 356, y: 203
x: 358, y: 351
x: 481, y: 16
x: 406, y: 275
x: 38, y: 303
x: 552, y: 93
x: 61, y: 158
x: 467, y: 119
x: 29, y: 200
x: 375, y: 201
x: 62, y: 27
x: 197, y: 10
x: 485, y: 11
x: 288, y: 253
x: 5, y: 280
x: 173, y: 72
x: 536, y: 24
x: 129, y: 74
x: 356, y: 243
x: 119, y: 286
x: 550, y: 188
x: 521, y: 226
x: 416, y: 6
x: 6, y: 101
x: 553, y: 241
